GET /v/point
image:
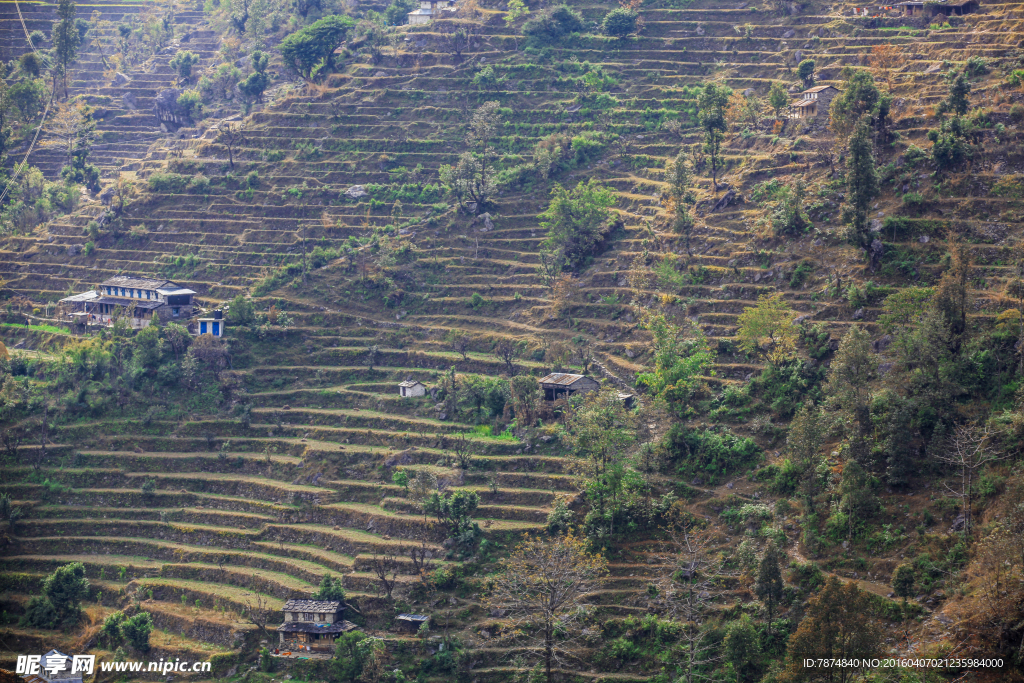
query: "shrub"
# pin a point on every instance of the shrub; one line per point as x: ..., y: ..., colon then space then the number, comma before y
x: 710, y: 453
x: 192, y: 103
x: 312, y: 47
x: 620, y: 22
x: 199, y: 184
x: 554, y: 23
x: 170, y: 183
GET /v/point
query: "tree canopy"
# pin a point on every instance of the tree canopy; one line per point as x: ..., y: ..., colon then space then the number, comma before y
x: 313, y: 46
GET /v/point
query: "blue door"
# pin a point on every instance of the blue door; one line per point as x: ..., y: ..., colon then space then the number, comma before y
x: 216, y: 329
x: 202, y: 328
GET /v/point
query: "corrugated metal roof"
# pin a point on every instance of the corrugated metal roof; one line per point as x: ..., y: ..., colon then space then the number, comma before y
x: 820, y: 88
x: 172, y: 292
x: 561, y: 379
x: 410, y: 383
x: 139, y: 282
x: 805, y: 103
x: 84, y: 296
x: 341, y: 626
x: 413, y: 617
x: 140, y: 304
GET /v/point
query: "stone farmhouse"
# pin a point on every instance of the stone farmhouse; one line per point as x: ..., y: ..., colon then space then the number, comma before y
x: 138, y: 298
x: 312, y: 625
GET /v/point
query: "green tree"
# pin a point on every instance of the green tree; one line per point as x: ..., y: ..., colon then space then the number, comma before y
x: 805, y: 70
x: 767, y: 329
x: 778, y: 98
x: 66, y: 40
x: 253, y: 85
x: 577, y: 220
x: 903, y: 580
x: 848, y: 388
x: 958, y: 101
x: 598, y: 431
x: 65, y: 588
x: 472, y: 178
x: 401, y: 478
x: 349, y: 657
x: 838, y: 626
x: 807, y: 433
x: 453, y: 511
x: 182, y: 63
x: 769, y: 585
x: 397, y: 13
x: 331, y: 588
x: 240, y: 311
x: 681, y: 359
x: 861, y: 184
x: 39, y: 613
x: 516, y: 10
x: 620, y: 22
x: 136, y: 630
x: 859, y: 97
x: 110, y: 632
x: 743, y: 649
x: 313, y: 46
x: 711, y: 106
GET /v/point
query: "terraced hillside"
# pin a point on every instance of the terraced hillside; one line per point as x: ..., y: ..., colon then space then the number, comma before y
x: 270, y: 465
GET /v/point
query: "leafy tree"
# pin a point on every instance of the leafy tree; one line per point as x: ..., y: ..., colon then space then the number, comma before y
x: 40, y: 613
x: 743, y: 649
x: 253, y: 86
x: 240, y: 311
x: 397, y: 13
x: 552, y: 24
x: 768, y: 329
x: 314, y: 45
x: 349, y: 657
x: 769, y: 585
x: 472, y: 177
x: 953, y: 294
x: 7, y: 510
x: 903, y: 580
x: 401, y: 478
x: 680, y: 178
x: 958, y: 101
x: 861, y: 184
x: 577, y: 220
x: 837, y: 626
x: 65, y: 588
x: 66, y: 41
x: 951, y: 146
x: 330, y: 589
x: 904, y: 308
x: 859, y: 97
x: 598, y: 430
x: 454, y: 511
x: 711, y: 105
x: 681, y: 358
x: 620, y: 22
x: 516, y: 10
x: 136, y: 630
x: 805, y: 70
x: 110, y: 632
x: 543, y: 585
x: 182, y: 63
x: 807, y: 433
x: 778, y: 98
x: 848, y: 388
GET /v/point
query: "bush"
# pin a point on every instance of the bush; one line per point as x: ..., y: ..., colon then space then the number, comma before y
x: 397, y: 13
x: 199, y: 184
x: 192, y: 103
x: 554, y: 23
x: 620, y: 22
x: 170, y: 183
x: 710, y: 453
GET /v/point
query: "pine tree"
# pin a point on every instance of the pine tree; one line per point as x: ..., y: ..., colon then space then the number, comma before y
x: 849, y: 387
x: 769, y: 585
x: 861, y: 183
x: 958, y: 99
x: 66, y: 40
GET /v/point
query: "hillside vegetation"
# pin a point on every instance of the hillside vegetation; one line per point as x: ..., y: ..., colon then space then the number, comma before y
x: 820, y: 321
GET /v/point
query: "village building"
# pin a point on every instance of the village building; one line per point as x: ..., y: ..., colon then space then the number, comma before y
x: 562, y: 385
x: 813, y: 100
x: 214, y: 325
x: 932, y: 8
x: 410, y: 388
x: 54, y: 667
x: 137, y: 298
x: 312, y: 625
x: 412, y: 622
x: 431, y: 9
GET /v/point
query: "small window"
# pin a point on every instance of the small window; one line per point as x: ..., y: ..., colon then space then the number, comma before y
x: 175, y: 312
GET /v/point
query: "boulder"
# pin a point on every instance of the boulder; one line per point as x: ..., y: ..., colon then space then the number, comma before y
x: 130, y: 101
x: 121, y: 79
x: 355, y: 192
x: 172, y: 115
x: 789, y: 34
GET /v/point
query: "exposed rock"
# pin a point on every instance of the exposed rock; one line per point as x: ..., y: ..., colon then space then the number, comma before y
x: 171, y: 114
x: 121, y: 79
x: 789, y: 34
x: 130, y: 101
x: 858, y: 314
x: 355, y: 192
x: 882, y: 343
x: 725, y: 200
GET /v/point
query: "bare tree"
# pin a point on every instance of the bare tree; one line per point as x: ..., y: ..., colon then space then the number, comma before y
x: 460, y: 446
x: 257, y: 609
x: 825, y: 153
x: 508, y: 351
x: 685, y: 590
x: 968, y: 450
x: 459, y: 343
x: 386, y: 568
x: 67, y: 129
x: 11, y: 440
x: 455, y: 36
x: 419, y: 559
x: 233, y: 138
x: 543, y: 586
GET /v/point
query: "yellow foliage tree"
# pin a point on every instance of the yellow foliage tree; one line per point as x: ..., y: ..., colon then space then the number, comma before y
x: 768, y: 329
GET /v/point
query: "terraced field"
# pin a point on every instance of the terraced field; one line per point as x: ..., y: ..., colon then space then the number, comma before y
x: 301, y: 486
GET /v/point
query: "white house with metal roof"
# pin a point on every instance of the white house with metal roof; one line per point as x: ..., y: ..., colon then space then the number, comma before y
x: 563, y: 385
x: 137, y: 298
